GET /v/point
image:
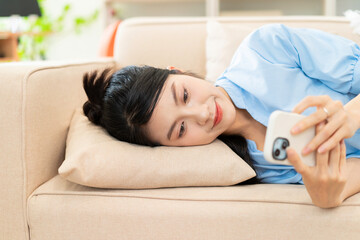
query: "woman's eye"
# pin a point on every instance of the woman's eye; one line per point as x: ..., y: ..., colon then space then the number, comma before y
x: 182, y: 129
x: 185, y: 95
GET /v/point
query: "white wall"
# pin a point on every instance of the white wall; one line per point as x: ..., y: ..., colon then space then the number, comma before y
x: 343, y: 5
x: 282, y: 7
x: 196, y: 8
x: 68, y: 44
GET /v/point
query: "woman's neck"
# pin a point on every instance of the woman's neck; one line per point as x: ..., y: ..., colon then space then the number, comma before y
x: 248, y: 127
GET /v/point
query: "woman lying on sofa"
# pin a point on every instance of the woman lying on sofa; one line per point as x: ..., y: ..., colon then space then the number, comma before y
x: 274, y: 68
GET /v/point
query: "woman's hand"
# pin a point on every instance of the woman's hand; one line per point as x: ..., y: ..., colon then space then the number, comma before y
x: 341, y: 123
x: 325, y: 182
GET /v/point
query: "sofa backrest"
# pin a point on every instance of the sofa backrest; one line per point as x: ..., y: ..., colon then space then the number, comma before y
x: 181, y: 42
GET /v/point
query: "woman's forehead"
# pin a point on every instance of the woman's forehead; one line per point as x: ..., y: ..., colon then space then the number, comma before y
x: 162, y: 116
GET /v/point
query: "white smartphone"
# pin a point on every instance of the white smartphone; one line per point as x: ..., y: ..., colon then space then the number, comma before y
x: 278, y: 138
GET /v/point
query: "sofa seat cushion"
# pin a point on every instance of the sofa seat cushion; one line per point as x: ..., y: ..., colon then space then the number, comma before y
x: 260, y: 211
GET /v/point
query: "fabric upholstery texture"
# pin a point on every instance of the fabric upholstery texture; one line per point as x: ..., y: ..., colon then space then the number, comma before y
x: 170, y: 40
x: 37, y: 103
x: 262, y: 211
x: 96, y: 159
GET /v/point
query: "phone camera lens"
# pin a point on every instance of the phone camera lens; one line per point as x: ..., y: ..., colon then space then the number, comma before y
x: 277, y: 152
x: 284, y: 145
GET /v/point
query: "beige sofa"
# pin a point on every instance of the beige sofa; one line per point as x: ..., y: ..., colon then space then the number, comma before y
x: 37, y: 103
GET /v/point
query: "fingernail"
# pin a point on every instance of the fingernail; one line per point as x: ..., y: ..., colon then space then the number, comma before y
x: 295, y: 129
x: 306, y: 150
x: 322, y: 149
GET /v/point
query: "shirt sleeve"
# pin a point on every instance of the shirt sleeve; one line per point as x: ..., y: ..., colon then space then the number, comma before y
x: 329, y: 58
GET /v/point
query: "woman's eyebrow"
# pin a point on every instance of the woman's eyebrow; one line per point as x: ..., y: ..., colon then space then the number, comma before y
x: 171, y: 130
x: 173, y: 91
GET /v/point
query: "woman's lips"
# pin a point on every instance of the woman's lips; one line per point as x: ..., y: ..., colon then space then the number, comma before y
x: 218, y: 115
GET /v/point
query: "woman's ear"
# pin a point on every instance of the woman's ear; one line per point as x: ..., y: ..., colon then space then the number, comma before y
x: 174, y: 68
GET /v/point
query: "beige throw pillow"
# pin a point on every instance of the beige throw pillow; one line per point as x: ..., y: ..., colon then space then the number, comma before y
x: 96, y: 159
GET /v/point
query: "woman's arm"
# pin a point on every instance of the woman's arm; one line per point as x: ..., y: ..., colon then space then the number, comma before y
x: 329, y: 58
x: 353, y: 108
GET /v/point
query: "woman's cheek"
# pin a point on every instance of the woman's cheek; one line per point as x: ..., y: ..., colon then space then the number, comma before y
x: 196, y: 137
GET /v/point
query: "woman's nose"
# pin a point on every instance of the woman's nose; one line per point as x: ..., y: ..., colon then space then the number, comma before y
x: 199, y: 113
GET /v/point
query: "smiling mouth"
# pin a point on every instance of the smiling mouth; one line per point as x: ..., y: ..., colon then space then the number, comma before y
x: 218, y: 114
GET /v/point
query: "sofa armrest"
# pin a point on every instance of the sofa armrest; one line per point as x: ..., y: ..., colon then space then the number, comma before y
x: 37, y: 101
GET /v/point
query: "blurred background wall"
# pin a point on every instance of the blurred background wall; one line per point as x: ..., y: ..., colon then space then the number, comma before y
x: 68, y: 44
x: 84, y: 44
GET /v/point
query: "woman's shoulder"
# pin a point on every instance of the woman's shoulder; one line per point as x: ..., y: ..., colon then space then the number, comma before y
x: 268, y: 32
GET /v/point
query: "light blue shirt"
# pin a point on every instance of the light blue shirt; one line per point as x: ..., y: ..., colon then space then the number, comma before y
x: 275, y: 67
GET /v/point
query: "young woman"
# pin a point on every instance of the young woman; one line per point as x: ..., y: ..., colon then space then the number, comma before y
x: 276, y: 67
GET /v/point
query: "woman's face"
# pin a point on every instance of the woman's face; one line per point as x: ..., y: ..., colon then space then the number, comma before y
x: 190, y: 111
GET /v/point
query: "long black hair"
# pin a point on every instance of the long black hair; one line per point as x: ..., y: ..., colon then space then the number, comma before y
x: 123, y: 102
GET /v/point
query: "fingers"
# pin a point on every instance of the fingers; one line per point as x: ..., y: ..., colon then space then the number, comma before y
x: 342, y: 164
x: 311, y: 101
x: 295, y: 160
x: 331, y: 143
x: 309, y: 121
x: 335, y: 116
x: 334, y: 160
x: 320, y: 102
x: 322, y: 159
x: 326, y: 134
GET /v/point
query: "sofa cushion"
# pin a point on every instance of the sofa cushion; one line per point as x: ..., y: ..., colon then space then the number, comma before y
x: 94, y: 158
x: 261, y: 211
x: 175, y: 41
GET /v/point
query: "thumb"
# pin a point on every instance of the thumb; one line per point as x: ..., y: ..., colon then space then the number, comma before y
x: 295, y: 160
